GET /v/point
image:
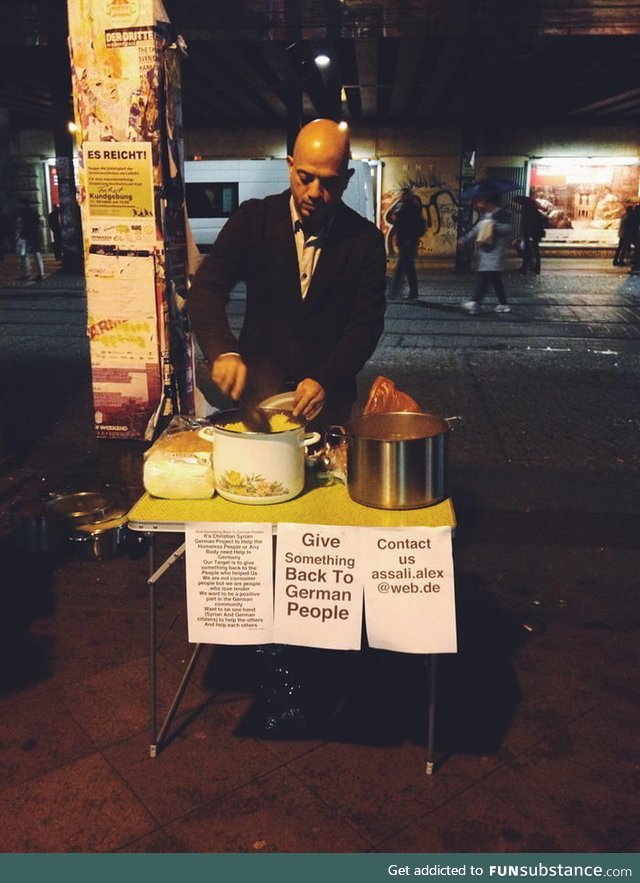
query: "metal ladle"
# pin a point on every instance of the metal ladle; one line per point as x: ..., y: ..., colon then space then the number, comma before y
x: 253, y: 417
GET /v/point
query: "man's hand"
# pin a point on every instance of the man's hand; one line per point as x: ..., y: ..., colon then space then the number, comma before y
x: 229, y: 372
x: 308, y: 399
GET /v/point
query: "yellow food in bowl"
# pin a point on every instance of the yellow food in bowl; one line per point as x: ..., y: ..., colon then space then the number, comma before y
x: 277, y: 422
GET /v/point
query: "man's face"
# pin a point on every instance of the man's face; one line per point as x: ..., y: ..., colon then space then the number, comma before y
x: 317, y: 185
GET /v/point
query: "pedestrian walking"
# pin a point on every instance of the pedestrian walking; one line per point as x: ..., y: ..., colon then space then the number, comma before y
x: 489, y: 237
x: 409, y: 225
x: 5, y: 231
x: 532, y: 230
x: 56, y: 231
x: 627, y: 232
x: 29, y: 239
x: 635, y: 256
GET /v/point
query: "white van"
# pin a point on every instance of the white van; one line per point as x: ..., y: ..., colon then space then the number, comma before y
x: 215, y: 188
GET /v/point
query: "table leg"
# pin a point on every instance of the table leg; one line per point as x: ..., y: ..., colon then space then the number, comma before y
x: 152, y: 645
x: 154, y: 576
x: 178, y: 697
x: 431, y: 720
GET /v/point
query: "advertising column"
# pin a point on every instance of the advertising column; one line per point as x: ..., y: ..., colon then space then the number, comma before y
x: 131, y: 194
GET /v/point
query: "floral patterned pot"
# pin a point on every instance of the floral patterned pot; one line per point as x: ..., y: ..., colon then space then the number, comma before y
x: 259, y: 468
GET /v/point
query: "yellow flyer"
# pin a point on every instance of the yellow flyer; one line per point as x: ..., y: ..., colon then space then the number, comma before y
x: 119, y: 179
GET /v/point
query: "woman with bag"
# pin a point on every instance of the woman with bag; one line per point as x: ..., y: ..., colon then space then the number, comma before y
x: 490, y: 237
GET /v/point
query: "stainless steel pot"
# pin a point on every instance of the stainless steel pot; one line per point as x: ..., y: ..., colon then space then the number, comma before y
x: 101, y: 540
x: 397, y: 460
x: 83, y: 507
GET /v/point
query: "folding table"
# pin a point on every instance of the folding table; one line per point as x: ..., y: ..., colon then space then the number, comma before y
x: 320, y: 502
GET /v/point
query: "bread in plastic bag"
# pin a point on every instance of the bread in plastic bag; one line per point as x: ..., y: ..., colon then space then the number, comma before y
x: 179, y: 465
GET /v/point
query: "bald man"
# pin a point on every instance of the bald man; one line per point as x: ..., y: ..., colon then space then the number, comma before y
x: 315, y: 279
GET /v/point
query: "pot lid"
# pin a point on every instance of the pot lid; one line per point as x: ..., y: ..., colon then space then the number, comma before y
x: 282, y: 400
x: 113, y: 518
x: 79, y: 504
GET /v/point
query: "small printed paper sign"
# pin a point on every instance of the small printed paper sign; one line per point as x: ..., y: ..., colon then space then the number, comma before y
x: 409, y: 595
x: 318, y: 587
x: 229, y: 583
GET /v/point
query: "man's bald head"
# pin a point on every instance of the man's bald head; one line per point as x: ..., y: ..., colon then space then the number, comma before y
x: 325, y: 141
x: 319, y: 169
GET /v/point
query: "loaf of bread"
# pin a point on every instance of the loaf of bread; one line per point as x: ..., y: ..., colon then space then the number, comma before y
x: 179, y: 466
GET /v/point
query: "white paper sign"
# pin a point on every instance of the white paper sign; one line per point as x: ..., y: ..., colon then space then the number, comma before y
x: 318, y: 587
x: 409, y: 592
x: 229, y: 583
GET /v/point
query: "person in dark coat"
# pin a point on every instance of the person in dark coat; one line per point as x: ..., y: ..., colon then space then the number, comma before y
x: 635, y: 238
x: 29, y: 233
x: 533, y: 230
x: 315, y: 278
x: 408, y: 222
x: 627, y: 232
x: 5, y: 233
x: 315, y: 275
x: 56, y: 231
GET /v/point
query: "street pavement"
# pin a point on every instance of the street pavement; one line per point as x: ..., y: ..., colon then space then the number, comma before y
x: 538, y: 722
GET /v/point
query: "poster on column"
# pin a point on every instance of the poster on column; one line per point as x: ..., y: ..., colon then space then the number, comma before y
x: 229, y: 581
x: 120, y: 194
x: 123, y: 341
x: 409, y: 594
x: 318, y: 589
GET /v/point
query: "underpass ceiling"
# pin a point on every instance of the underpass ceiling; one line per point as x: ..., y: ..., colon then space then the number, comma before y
x: 394, y: 62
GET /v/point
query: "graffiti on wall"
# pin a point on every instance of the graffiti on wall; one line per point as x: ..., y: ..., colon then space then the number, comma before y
x: 437, y: 191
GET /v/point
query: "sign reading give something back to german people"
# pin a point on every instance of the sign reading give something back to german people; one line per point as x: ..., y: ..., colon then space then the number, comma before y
x: 409, y: 589
x: 318, y: 589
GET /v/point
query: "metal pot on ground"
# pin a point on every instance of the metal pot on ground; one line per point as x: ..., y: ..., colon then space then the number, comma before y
x: 104, y: 539
x: 82, y: 507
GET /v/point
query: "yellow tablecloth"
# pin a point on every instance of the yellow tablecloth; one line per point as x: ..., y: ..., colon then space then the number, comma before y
x: 319, y: 503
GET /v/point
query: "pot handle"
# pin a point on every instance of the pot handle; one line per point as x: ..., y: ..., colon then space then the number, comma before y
x: 310, y: 439
x: 336, y: 434
x: 454, y: 421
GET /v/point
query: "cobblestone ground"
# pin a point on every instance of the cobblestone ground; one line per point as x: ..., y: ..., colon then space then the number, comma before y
x: 554, y: 382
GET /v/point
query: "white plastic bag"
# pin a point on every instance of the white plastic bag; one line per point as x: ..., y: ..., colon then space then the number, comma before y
x: 486, y: 233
